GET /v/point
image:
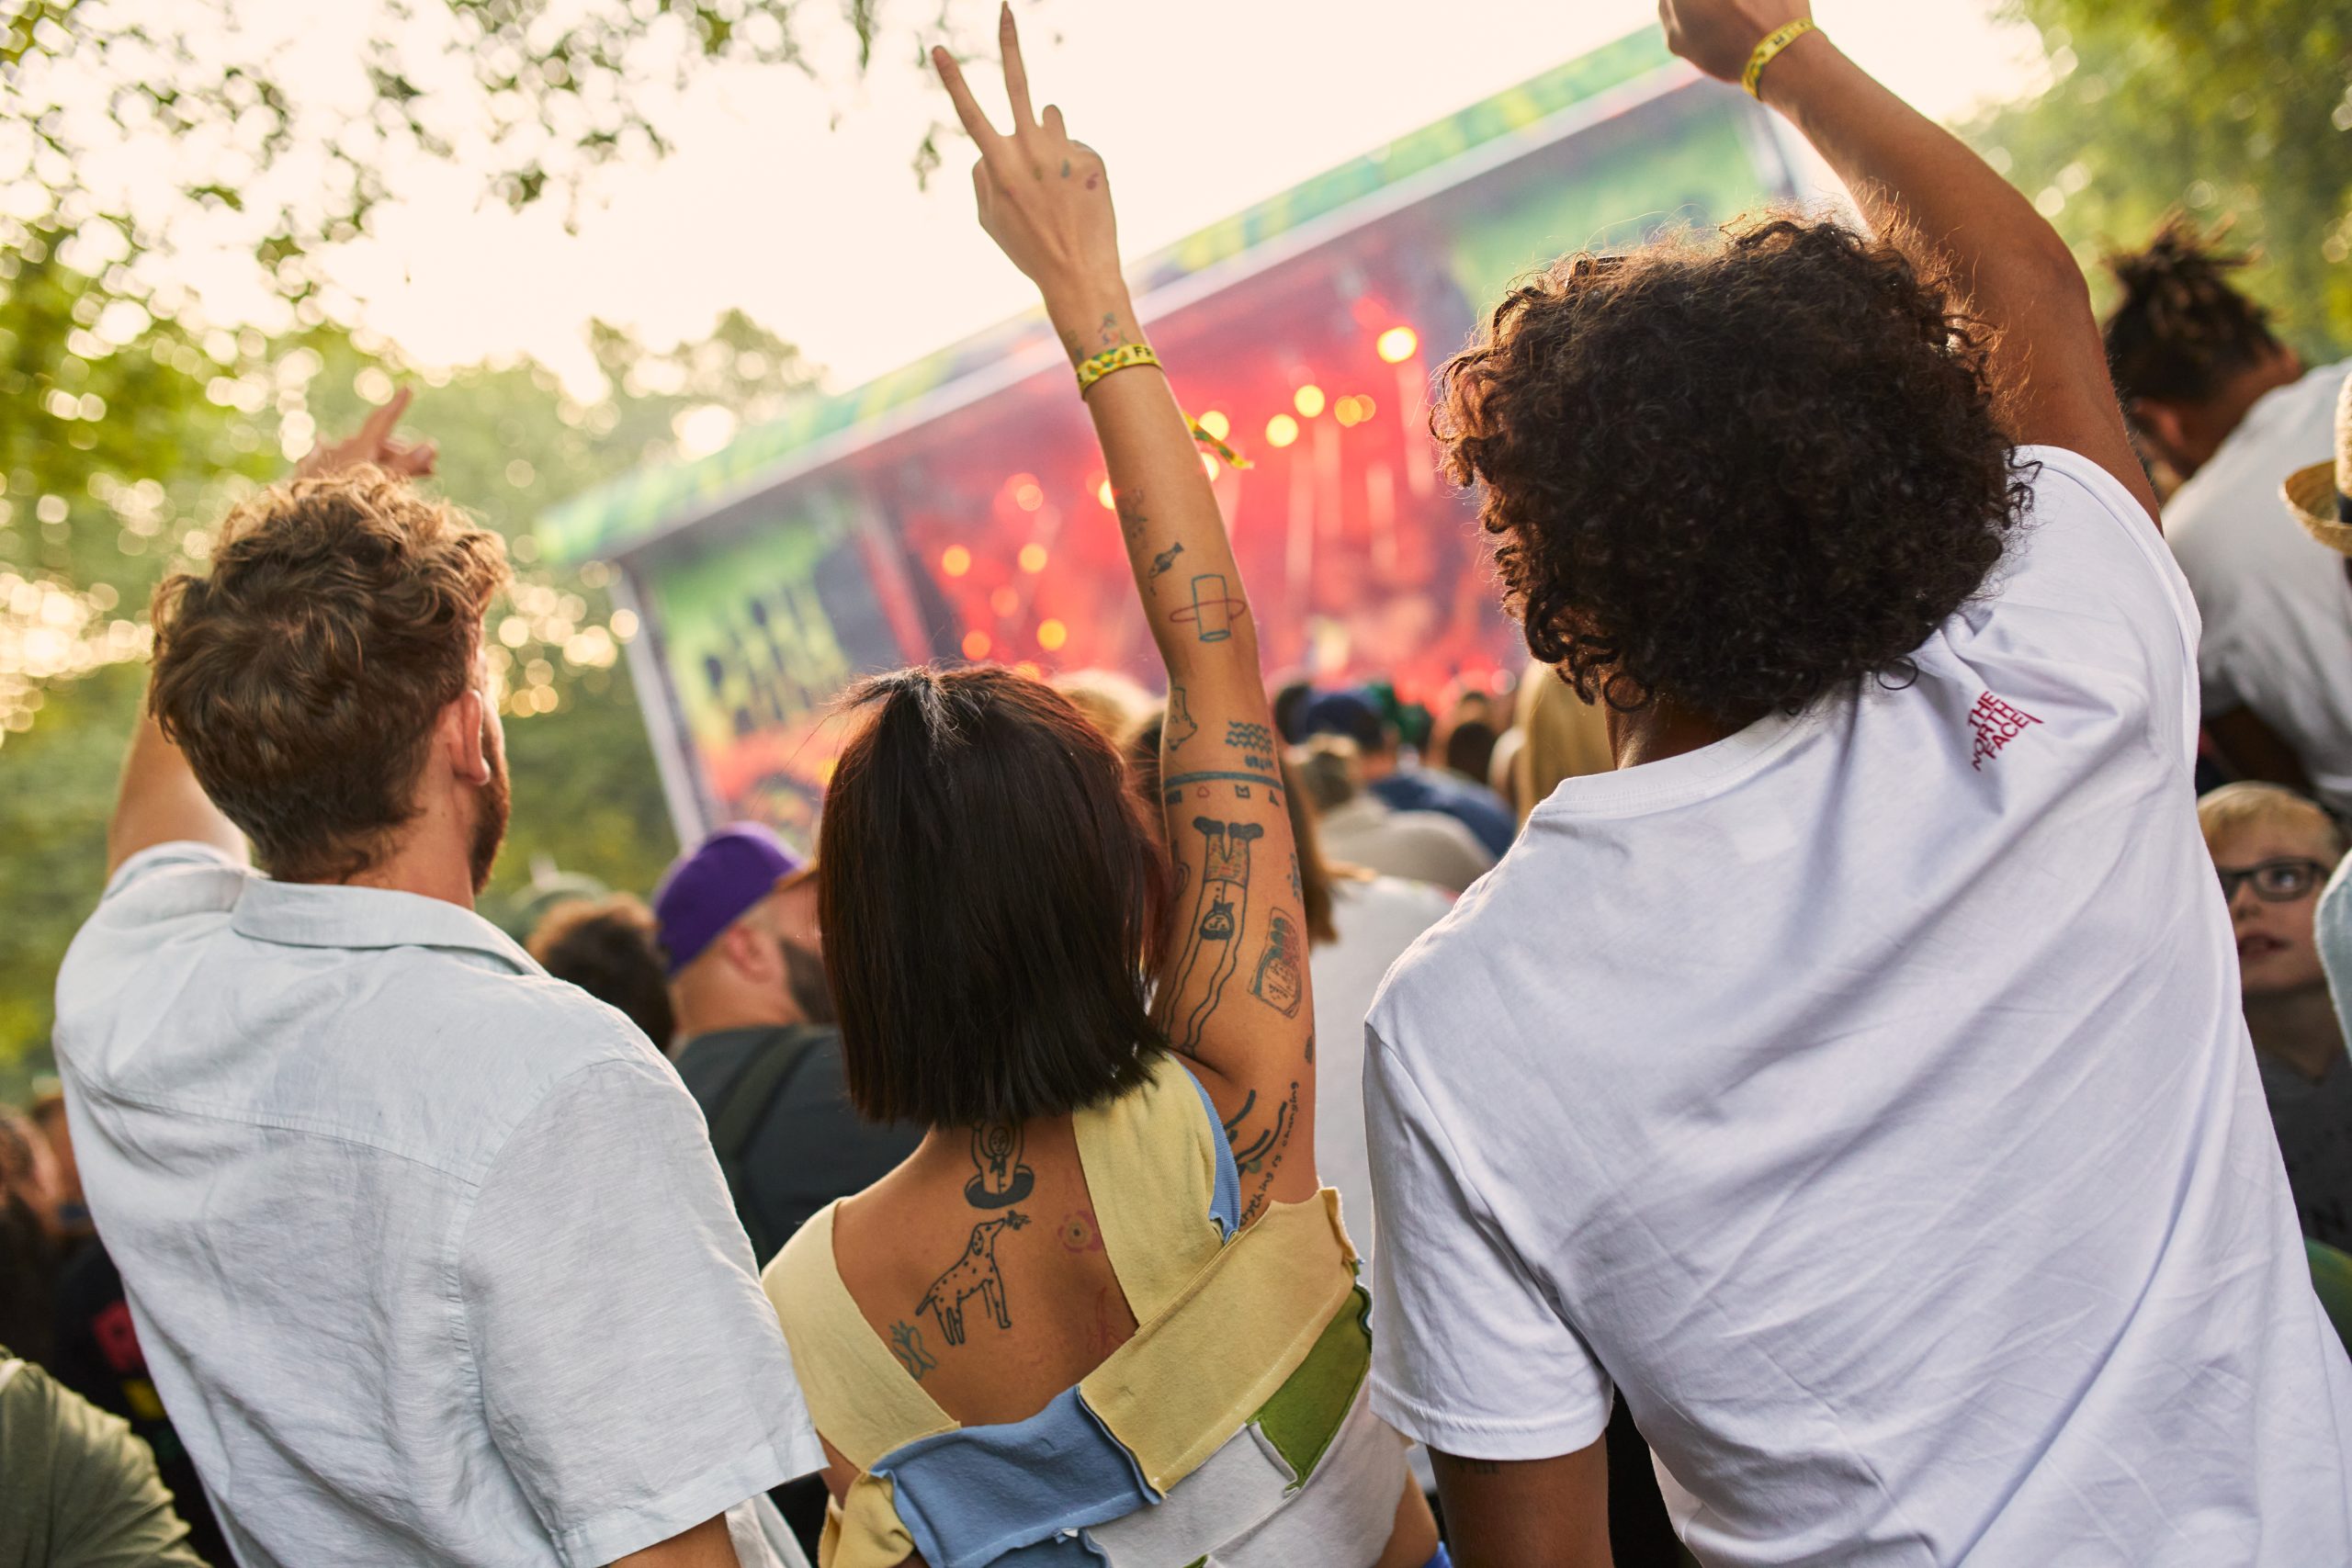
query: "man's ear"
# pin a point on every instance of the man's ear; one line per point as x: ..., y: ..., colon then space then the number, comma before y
x: 749, y: 951
x: 2162, y: 430
x: 459, y: 736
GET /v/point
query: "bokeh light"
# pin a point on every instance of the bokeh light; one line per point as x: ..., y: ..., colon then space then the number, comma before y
x: 1397, y: 344
x: 956, y: 560
x: 1033, y: 557
x: 1051, y: 635
x: 1217, y: 424
x: 976, y: 645
x: 1280, y: 430
x: 1308, y: 400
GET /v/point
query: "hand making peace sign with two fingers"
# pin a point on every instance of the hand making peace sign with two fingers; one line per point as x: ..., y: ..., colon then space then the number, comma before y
x: 1044, y: 198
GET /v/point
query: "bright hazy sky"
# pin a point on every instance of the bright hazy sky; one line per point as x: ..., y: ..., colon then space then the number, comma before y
x: 818, y: 230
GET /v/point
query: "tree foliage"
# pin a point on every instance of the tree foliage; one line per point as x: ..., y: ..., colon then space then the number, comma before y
x: 536, y: 96
x: 103, y: 499
x: 134, y: 130
x: 2229, y: 109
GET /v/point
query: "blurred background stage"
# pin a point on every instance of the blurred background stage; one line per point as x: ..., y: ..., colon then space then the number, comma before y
x: 958, y: 508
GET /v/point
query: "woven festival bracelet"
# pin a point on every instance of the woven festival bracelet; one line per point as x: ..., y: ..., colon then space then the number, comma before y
x: 1778, y: 39
x: 1125, y: 357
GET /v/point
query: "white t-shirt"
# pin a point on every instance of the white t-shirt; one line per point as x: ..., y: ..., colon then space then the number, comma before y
x: 1426, y: 846
x: 429, y: 1254
x: 1865, y: 1096
x: 1377, y: 921
x: 2276, y: 608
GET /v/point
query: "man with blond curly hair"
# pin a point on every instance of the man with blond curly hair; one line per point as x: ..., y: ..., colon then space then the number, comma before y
x: 428, y: 1252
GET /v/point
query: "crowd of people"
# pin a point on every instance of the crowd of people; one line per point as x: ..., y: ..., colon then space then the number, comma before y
x: 1776, y: 1083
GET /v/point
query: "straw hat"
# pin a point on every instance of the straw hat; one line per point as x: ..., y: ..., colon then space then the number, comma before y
x: 2321, y: 495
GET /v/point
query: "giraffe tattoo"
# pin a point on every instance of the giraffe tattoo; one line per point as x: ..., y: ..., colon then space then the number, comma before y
x: 974, y: 1274
x: 1220, y: 909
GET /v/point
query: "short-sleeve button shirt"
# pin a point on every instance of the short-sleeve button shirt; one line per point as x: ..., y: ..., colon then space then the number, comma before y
x: 428, y: 1252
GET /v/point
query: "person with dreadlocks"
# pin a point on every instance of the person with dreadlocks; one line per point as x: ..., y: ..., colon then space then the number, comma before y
x: 2216, y: 397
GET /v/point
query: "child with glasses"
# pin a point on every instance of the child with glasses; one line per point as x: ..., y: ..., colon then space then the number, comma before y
x: 2273, y: 850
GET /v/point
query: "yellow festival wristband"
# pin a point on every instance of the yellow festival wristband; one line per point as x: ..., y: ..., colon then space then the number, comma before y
x: 1778, y: 39
x: 1125, y: 357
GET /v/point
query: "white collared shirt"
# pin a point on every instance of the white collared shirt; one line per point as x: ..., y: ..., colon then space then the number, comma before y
x: 428, y: 1252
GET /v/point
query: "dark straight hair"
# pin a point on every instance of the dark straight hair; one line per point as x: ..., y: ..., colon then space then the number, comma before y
x: 991, y: 898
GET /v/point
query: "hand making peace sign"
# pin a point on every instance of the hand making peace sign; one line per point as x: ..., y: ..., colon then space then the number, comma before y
x: 1044, y: 198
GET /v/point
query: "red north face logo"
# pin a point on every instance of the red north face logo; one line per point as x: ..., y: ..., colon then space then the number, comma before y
x: 1996, y: 724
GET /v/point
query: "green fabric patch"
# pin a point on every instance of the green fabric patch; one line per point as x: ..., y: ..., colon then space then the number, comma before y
x: 2332, y: 1280
x: 1305, y: 1413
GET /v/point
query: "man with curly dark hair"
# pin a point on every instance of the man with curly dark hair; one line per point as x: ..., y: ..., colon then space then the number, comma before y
x: 1854, y: 1078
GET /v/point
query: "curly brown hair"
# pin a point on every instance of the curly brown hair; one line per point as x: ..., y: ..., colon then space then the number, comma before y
x: 303, y: 675
x: 1734, y: 477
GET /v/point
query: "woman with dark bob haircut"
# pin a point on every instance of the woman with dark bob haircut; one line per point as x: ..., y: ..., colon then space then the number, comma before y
x: 1853, y: 1078
x: 1105, y: 1311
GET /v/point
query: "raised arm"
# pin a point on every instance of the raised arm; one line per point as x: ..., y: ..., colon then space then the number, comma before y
x: 1233, y: 983
x: 159, y: 801
x: 1920, y: 187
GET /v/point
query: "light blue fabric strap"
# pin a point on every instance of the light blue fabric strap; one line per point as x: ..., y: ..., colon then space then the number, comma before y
x: 984, y: 1494
x: 1224, y: 1201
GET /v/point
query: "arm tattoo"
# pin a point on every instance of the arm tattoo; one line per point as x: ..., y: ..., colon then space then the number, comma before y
x: 1233, y: 1122
x: 1213, y: 610
x: 1164, y: 560
x: 1065, y: 169
x: 1108, y: 335
x: 905, y: 1343
x: 1175, y: 784
x: 1180, y: 726
x: 1219, y: 907
x: 1280, y: 980
x: 974, y: 1274
x: 1254, y: 742
x: 1128, y: 504
x: 1261, y: 1153
x: 1000, y: 1180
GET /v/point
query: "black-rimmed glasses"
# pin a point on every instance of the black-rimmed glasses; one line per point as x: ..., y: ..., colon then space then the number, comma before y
x: 2280, y: 881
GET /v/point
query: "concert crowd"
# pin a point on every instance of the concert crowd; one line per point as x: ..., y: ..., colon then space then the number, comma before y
x: 1844, y: 1061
